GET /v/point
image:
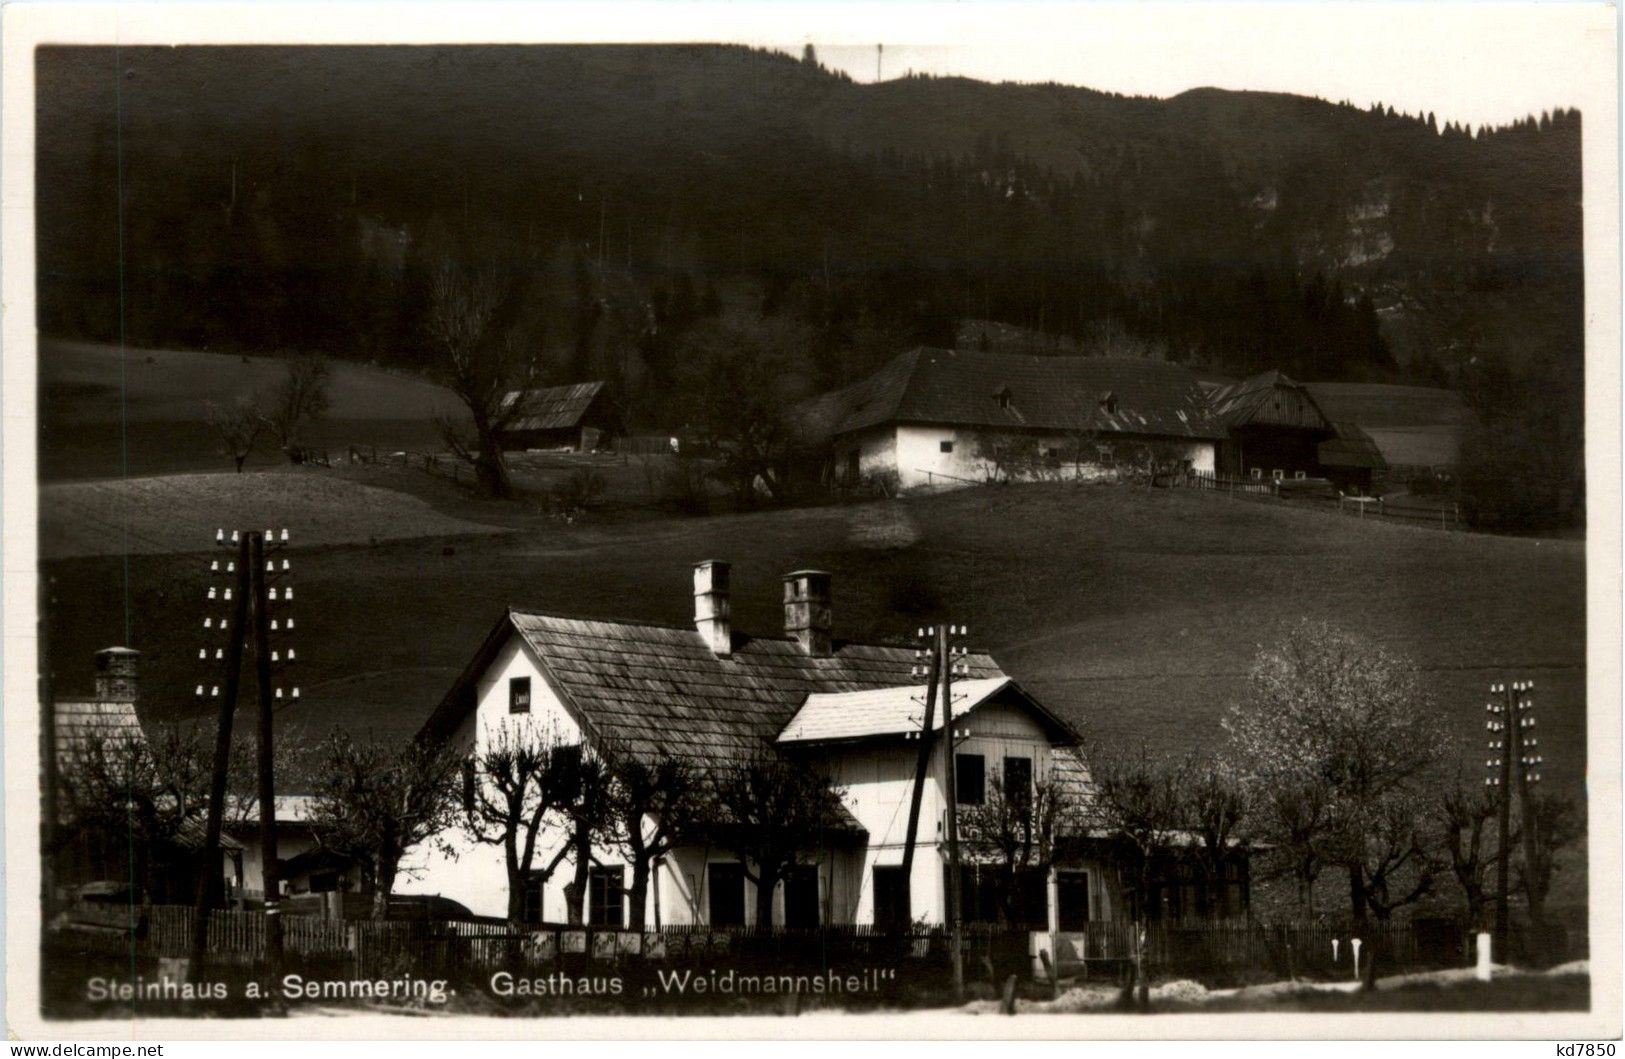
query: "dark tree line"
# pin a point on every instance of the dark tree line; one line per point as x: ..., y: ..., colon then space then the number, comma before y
x: 622, y: 197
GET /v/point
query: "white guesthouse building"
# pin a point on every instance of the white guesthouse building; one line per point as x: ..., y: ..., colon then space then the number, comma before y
x: 718, y: 696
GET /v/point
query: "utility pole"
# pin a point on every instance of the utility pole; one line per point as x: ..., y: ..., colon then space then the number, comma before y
x: 956, y: 940
x: 1508, y: 719
x: 922, y: 766
x: 267, y: 779
x: 1529, y: 760
x: 251, y: 587
x: 48, y: 760
x: 209, y: 878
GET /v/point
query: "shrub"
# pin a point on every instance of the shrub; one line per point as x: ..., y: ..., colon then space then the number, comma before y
x: 577, y: 491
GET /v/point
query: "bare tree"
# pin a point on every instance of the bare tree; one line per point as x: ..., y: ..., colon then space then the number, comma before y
x: 1215, y: 808
x: 659, y: 802
x: 772, y: 812
x: 299, y: 398
x: 738, y: 383
x: 143, y: 789
x: 1397, y: 858
x: 488, y: 374
x: 1138, y: 798
x: 1017, y: 829
x: 1462, y: 815
x: 238, y: 426
x: 510, y: 787
x: 375, y: 800
x: 587, y: 805
x: 1294, y: 820
x: 1549, y: 822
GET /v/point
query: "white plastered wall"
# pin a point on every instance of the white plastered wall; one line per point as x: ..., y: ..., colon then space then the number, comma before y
x: 916, y: 453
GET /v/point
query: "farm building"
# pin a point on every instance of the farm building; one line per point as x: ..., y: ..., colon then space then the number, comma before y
x: 1276, y: 429
x: 940, y: 417
x: 579, y: 416
x: 722, y: 699
x: 102, y: 733
x: 1416, y: 428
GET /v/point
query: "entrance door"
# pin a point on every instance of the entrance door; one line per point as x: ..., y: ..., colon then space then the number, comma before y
x: 1072, y: 899
x: 891, y: 899
x: 726, y: 883
x: 801, y: 897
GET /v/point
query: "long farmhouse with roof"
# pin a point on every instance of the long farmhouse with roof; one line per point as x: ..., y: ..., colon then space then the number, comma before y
x: 721, y: 697
x: 931, y: 415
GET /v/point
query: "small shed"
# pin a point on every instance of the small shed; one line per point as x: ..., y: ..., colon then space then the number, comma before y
x: 1350, y: 458
x: 578, y: 416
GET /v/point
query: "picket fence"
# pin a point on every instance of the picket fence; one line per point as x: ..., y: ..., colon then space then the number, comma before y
x: 1206, y: 951
x: 1237, y: 950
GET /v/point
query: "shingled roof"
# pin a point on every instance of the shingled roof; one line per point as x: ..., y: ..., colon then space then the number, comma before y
x: 1253, y: 400
x: 78, y: 721
x: 1012, y: 391
x: 553, y: 408
x: 654, y: 687
x: 115, y: 723
x: 1350, y: 447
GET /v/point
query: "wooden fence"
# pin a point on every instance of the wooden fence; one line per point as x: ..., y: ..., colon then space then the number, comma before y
x: 1214, y: 952
x: 1355, y: 507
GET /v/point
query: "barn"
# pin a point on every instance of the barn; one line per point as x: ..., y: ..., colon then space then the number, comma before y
x: 1277, y: 430
x: 579, y: 416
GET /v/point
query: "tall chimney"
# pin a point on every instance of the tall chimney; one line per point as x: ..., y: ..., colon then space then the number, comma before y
x: 712, y: 615
x: 808, y: 617
x: 116, y: 674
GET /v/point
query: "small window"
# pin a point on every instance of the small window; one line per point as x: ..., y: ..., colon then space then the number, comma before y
x: 606, y: 897
x: 970, y: 779
x: 1277, y: 474
x: 1299, y: 475
x: 945, y: 446
x: 1018, y: 781
x: 519, y: 695
x: 530, y: 910
x: 469, y: 789
x: 1258, y: 472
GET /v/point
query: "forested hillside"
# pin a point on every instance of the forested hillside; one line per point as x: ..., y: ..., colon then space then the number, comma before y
x: 278, y: 198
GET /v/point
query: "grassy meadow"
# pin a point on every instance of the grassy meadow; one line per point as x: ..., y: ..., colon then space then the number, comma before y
x: 1135, y: 612
x: 108, y: 413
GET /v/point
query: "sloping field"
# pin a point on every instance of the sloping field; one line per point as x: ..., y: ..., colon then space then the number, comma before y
x: 88, y: 383
x: 1412, y: 425
x: 1372, y: 404
x: 106, y: 413
x: 1430, y: 446
x: 1135, y: 612
x: 180, y: 513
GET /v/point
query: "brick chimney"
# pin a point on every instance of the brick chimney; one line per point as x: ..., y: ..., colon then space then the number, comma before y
x: 712, y: 613
x: 808, y: 617
x: 116, y: 674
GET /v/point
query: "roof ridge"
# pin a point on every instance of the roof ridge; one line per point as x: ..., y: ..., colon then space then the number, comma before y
x: 670, y: 627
